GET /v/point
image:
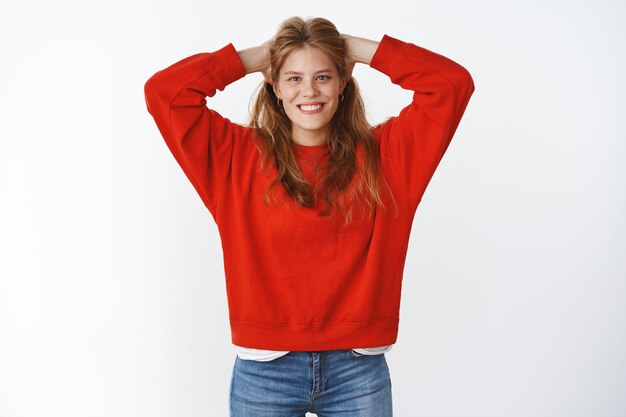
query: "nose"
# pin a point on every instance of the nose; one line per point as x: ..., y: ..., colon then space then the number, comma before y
x: 309, y: 89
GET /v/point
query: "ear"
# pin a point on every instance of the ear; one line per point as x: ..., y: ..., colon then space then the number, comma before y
x: 344, y: 83
x: 276, y: 89
x: 348, y: 74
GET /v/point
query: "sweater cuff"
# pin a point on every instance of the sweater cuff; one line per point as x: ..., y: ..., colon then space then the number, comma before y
x: 389, y: 51
x: 228, y: 64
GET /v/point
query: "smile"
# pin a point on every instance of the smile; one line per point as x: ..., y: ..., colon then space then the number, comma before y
x: 310, y: 108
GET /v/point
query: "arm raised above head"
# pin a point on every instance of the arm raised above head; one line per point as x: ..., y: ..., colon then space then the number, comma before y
x: 199, y: 138
x: 413, y: 143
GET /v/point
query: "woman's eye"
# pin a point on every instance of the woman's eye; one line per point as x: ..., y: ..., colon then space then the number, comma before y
x: 322, y: 77
x: 294, y: 78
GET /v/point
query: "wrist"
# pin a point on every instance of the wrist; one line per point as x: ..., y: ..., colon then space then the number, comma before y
x: 363, y: 49
x: 254, y: 59
x: 360, y: 49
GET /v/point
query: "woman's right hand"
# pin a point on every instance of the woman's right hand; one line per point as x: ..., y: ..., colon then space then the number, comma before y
x: 266, y: 71
x: 257, y: 59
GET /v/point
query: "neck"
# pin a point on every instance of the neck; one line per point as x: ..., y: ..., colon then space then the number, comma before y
x: 310, y: 138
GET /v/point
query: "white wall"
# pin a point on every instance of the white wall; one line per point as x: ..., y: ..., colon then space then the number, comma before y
x: 112, y: 297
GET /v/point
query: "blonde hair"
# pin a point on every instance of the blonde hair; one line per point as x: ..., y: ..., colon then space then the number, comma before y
x: 348, y: 128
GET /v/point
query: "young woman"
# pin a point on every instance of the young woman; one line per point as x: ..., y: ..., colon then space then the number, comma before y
x: 314, y: 207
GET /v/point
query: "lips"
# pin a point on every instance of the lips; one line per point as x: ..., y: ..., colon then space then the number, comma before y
x: 310, y: 107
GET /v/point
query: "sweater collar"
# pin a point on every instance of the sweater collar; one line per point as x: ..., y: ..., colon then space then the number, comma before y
x: 310, y: 152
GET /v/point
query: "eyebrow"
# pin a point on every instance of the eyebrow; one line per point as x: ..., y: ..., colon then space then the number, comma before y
x: 300, y: 73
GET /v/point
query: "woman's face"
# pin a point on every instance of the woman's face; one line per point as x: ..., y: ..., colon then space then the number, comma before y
x: 309, y: 87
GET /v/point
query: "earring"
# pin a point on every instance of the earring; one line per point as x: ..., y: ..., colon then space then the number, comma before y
x: 279, y: 101
x: 341, y: 97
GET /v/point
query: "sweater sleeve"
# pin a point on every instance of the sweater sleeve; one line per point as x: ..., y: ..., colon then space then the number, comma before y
x: 413, y: 143
x: 199, y: 138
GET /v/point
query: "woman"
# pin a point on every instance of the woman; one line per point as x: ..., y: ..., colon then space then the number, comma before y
x: 314, y: 207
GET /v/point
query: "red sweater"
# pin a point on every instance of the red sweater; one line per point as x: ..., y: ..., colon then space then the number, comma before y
x: 295, y: 280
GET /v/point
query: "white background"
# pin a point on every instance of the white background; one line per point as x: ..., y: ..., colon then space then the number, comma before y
x: 112, y: 296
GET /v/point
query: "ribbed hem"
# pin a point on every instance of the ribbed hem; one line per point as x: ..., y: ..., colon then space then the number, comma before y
x: 228, y: 64
x: 329, y: 337
x: 389, y: 52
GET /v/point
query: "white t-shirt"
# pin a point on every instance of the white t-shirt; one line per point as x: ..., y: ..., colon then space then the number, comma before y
x: 261, y: 355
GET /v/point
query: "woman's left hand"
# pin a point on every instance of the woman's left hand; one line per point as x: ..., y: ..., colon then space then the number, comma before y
x: 350, y: 60
x: 358, y: 50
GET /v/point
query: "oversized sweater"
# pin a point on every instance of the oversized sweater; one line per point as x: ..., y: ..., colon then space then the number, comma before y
x: 295, y: 280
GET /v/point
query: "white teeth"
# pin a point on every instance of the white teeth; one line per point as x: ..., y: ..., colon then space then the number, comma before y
x: 310, y: 107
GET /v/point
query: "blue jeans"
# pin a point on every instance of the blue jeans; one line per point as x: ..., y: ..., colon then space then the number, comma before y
x: 334, y: 383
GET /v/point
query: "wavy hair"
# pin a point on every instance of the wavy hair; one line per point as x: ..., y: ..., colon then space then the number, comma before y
x: 348, y: 128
